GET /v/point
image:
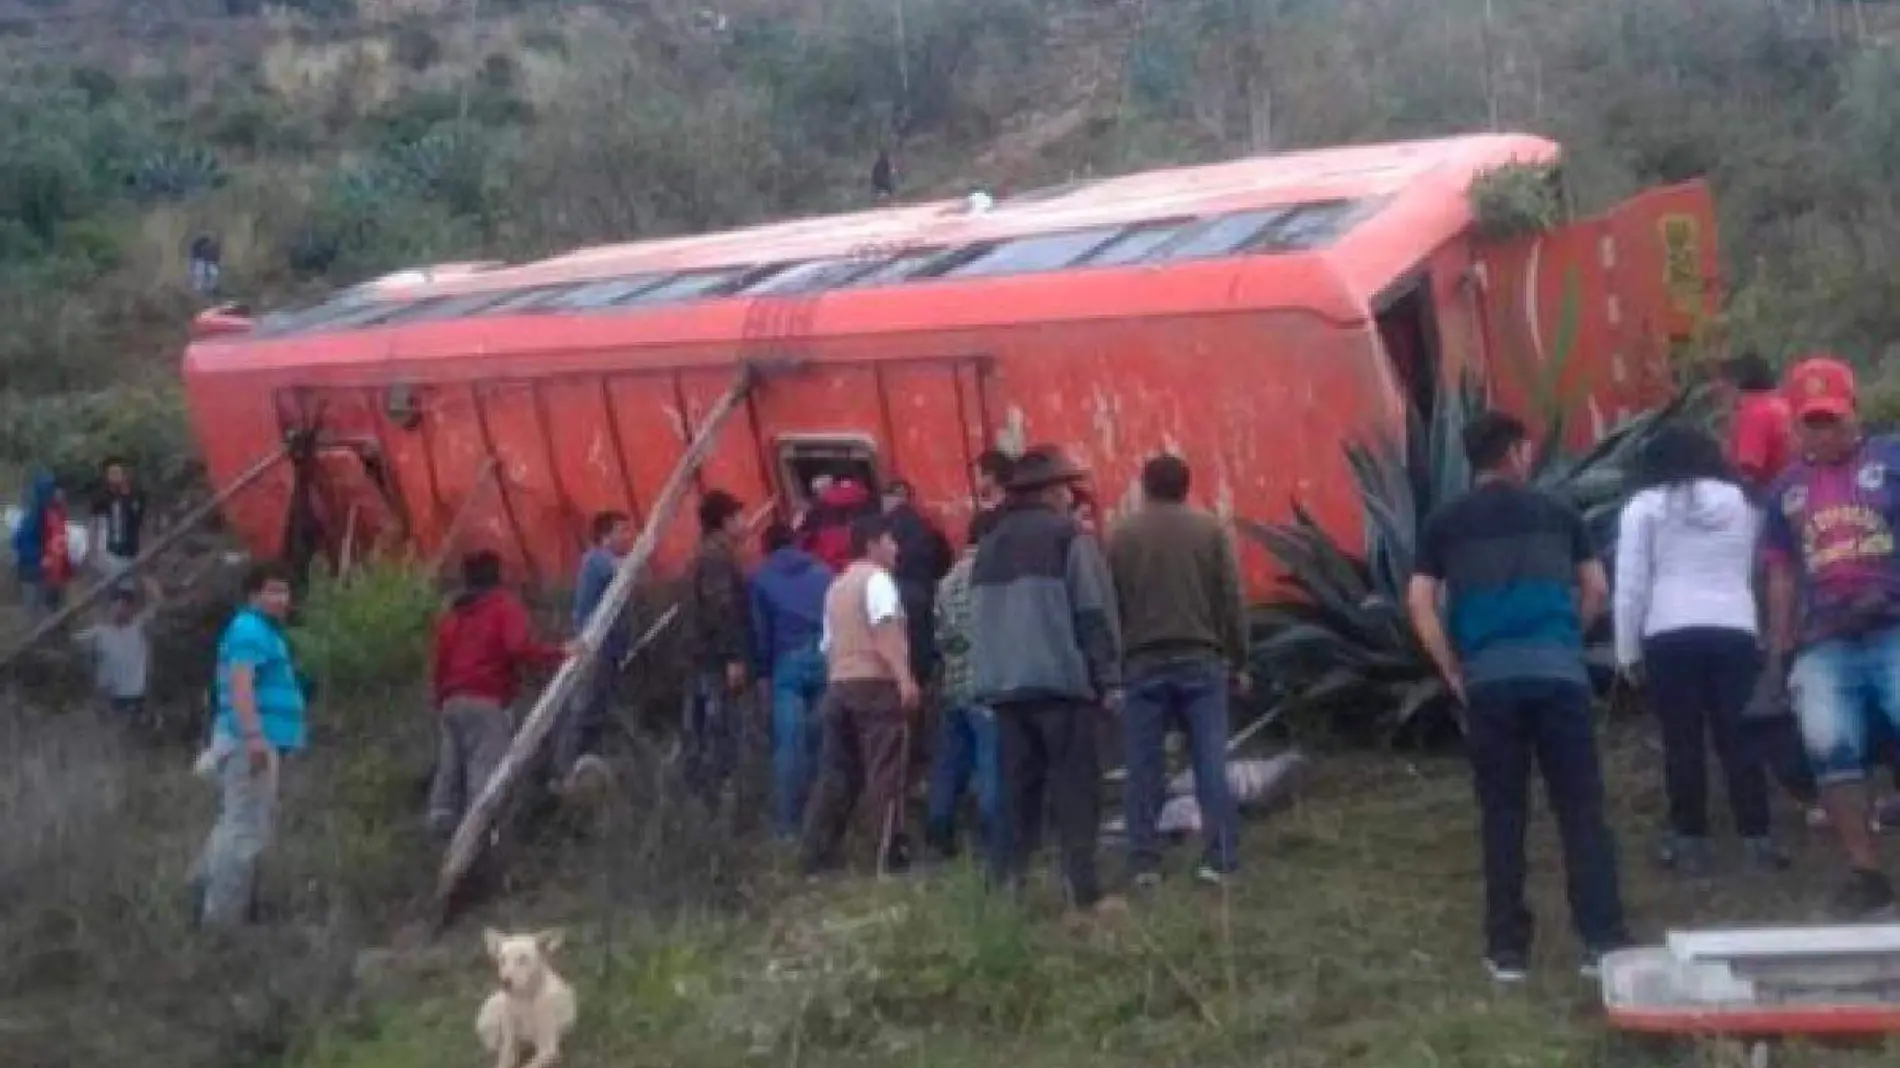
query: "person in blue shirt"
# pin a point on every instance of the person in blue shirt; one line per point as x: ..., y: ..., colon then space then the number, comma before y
x: 788, y: 609
x: 260, y: 721
x: 577, y: 747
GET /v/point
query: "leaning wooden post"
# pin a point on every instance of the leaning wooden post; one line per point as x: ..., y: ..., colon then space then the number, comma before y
x: 481, y: 815
x: 490, y: 471
x: 172, y: 537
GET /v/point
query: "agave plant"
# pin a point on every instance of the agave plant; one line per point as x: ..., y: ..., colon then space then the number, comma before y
x: 1346, y: 650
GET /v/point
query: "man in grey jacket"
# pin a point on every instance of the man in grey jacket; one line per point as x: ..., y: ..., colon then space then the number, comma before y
x: 1046, y: 656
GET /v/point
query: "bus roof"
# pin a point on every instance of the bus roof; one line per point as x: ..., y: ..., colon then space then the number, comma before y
x: 1344, y: 223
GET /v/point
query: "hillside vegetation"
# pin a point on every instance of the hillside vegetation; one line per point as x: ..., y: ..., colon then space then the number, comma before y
x: 324, y: 141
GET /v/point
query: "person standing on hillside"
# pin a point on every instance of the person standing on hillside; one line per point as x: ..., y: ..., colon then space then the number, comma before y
x: 718, y: 616
x: 119, y: 520
x: 42, y: 553
x: 120, y: 650
x: 1685, y: 623
x: 788, y: 615
x: 826, y: 530
x: 966, y: 735
x: 992, y: 472
x: 259, y: 725
x: 1184, y: 647
x: 1047, y: 657
x: 577, y: 747
x: 869, y: 697
x: 923, y: 559
x: 483, y: 645
x: 1761, y: 429
x: 1520, y: 583
x: 1834, y: 603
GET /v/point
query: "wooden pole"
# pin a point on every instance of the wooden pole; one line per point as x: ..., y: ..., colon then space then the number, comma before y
x: 481, y: 815
x: 460, y: 519
x: 172, y: 537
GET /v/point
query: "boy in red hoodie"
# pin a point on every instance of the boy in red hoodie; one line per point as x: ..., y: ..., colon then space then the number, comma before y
x: 482, y: 645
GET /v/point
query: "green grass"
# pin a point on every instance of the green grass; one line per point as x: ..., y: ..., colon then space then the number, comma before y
x: 1351, y: 940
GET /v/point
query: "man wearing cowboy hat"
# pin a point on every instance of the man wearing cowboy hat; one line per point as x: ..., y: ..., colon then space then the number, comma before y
x: 1046, y: 656
x: 1834, y: 602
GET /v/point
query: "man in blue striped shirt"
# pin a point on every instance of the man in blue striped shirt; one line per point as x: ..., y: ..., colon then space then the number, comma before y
x: 1520, y: 582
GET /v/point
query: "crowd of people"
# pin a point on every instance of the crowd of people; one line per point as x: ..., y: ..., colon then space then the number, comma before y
x: 861, y: 624
x: 1756, y: 600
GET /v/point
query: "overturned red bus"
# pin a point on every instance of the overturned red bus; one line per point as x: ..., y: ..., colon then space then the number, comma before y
x: 1251, y: 316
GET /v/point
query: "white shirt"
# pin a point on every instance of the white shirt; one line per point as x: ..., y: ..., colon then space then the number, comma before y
x: 880, y: 603
x: 1685, y: 557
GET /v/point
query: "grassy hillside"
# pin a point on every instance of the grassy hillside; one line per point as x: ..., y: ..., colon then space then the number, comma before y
x: 1351, y: 940
x: 326, y: 140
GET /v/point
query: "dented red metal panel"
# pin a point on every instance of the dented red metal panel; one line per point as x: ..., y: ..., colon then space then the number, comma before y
x: 1619, y: 293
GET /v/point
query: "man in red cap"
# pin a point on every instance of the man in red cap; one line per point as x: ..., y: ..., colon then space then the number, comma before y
x: 1832, y: 515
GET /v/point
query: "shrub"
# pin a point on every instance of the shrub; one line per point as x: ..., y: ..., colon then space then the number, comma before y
x: 72, y: 433
x: 1516, y: 200
x: 366, y: 632
x: 176, y: 173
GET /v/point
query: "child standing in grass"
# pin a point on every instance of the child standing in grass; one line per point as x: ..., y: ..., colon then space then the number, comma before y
x: 120, y: 648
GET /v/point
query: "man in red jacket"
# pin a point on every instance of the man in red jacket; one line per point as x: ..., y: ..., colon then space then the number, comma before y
x: 483, y: 644
x: 826, y: 530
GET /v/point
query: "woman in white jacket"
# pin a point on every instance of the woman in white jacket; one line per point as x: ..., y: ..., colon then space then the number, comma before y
x: 1685, y: 620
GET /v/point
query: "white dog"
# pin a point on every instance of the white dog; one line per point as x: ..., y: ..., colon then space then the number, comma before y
x: 533, y: 1008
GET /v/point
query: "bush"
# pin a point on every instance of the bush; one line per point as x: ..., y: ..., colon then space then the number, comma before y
x: 72, y: 433
x: 1516, y: 200
x: 367, y: 632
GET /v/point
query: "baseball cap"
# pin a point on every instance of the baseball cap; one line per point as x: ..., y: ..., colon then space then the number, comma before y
x: 1821, y: 385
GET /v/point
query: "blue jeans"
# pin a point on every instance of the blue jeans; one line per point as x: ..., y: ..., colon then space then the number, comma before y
x: 1836, y: 685
x: 1193, y: 694
x: 798, y: 685
x: 966, y: 745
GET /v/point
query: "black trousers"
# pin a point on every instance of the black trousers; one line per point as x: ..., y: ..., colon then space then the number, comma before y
x: 1511, y: 724
x: 1700, y: 680
x: 1048, y: 749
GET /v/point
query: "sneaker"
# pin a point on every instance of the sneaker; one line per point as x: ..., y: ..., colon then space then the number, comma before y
x: 1763, y: 853
x: 1684, y: 854
x: 1818, y: 818
x: 1209, y: 875
x: 1590, y: 965
x: 1864, y: 892
x: 1887, y: 816
x: 1507, y: 968
x: 1145, y: 880
x: 897, y: 857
